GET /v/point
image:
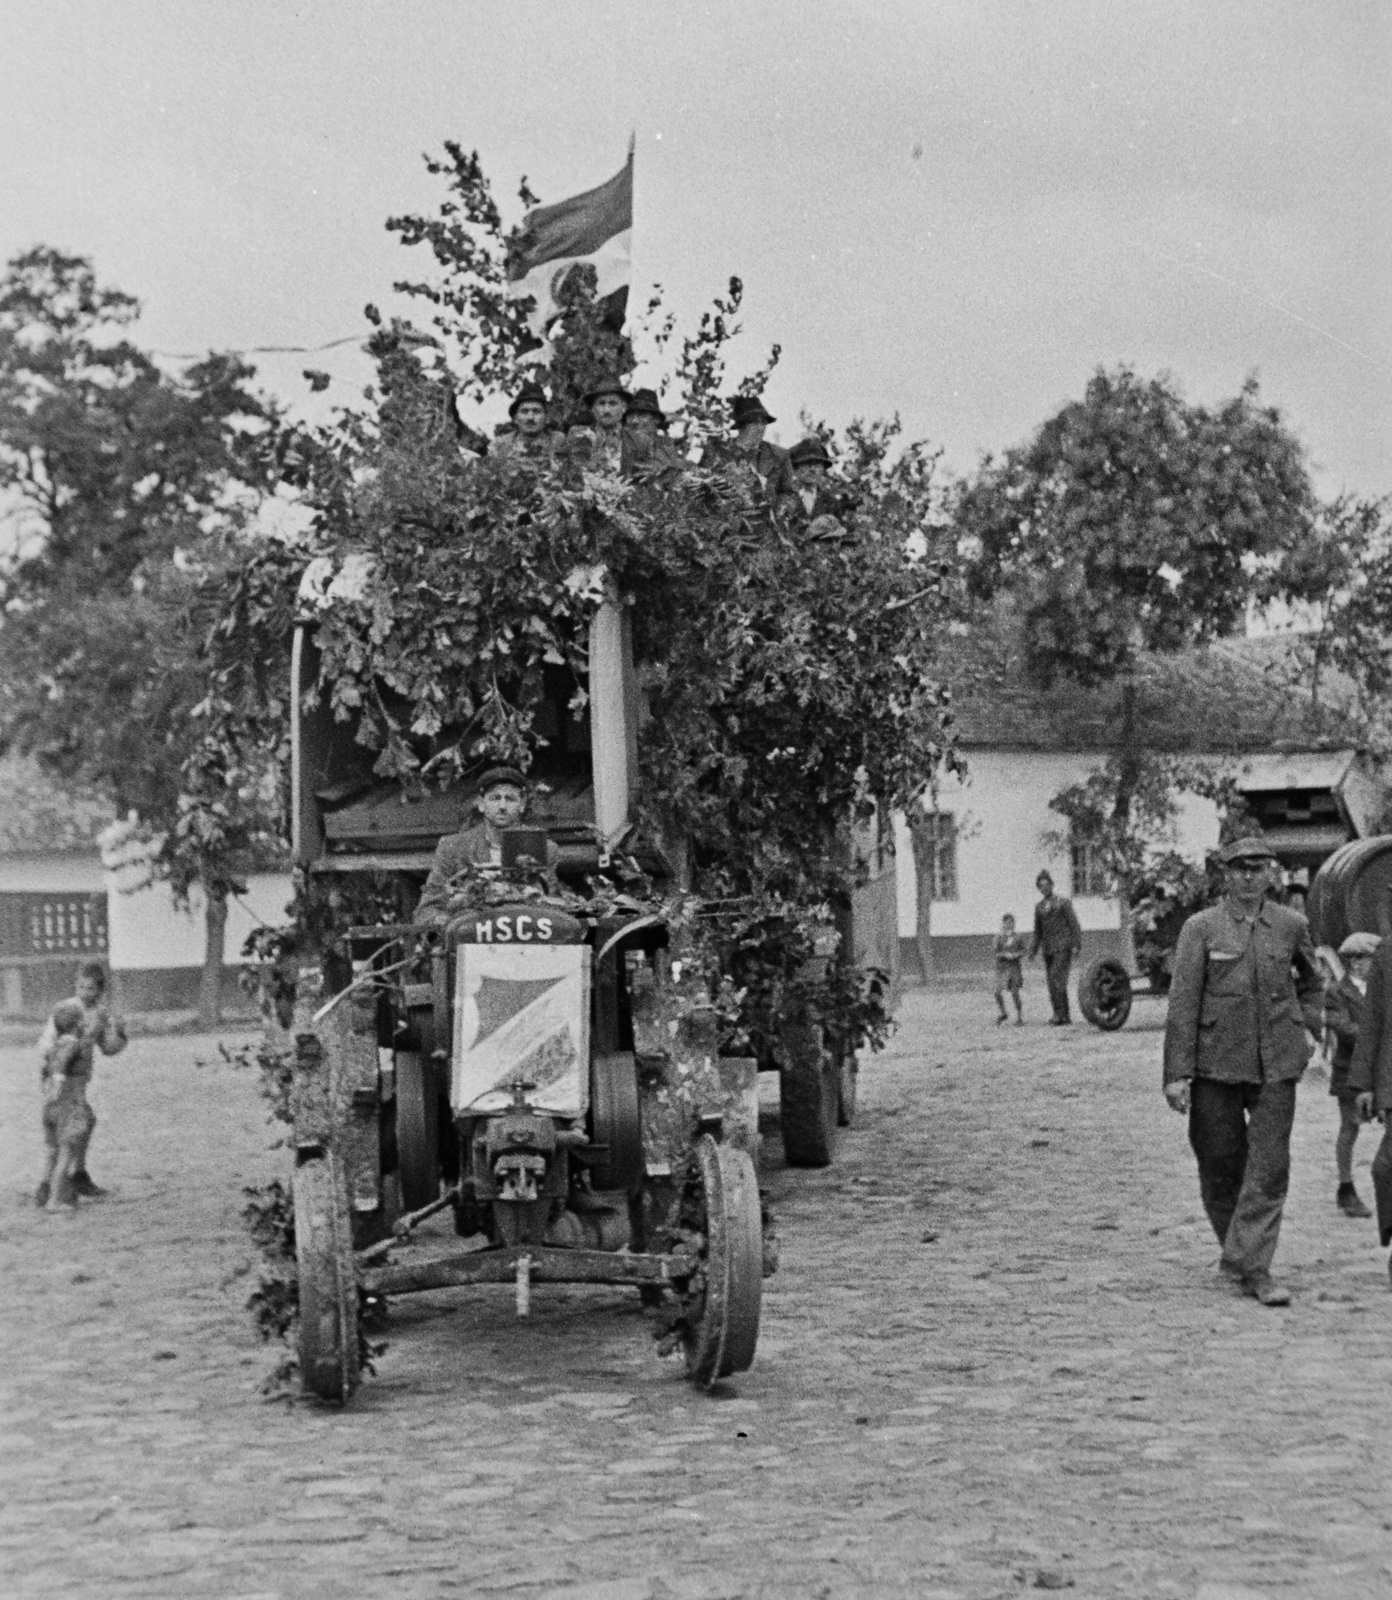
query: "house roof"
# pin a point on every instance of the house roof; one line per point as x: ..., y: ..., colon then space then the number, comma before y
x: 1231, y: 697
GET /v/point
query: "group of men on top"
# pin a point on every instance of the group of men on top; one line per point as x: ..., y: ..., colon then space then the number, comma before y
x: 628, y: 431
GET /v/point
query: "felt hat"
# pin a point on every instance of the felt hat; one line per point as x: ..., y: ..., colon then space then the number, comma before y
x: 1252, y: 848
x: 748, y: 408
x: 809, y: 450
x: 500, y: 775
x: 607, y: 386
x: 643, y: 403
x: 1360, y: 944
x: 528, y: 394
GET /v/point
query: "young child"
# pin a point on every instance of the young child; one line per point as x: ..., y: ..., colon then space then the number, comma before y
x: 1343, y: 1010
x: 99, y: 1031
x: 64, y: 1104
x: 1010, y: 950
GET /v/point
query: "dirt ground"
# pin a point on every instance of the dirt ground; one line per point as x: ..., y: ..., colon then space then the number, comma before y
x: 997, y: 1359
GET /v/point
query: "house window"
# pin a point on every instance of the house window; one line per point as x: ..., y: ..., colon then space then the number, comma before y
x: 940, y: 837
x: 1089, y: 875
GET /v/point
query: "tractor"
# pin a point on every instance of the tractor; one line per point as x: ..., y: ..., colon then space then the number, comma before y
x: 541, y: 1072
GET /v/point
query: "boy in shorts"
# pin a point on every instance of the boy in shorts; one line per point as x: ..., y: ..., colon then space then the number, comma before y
x: 1010, y: 951
x: 64, y: 1106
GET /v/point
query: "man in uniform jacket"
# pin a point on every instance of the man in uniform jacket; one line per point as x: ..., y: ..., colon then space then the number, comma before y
x: 1057, y: 934
x: 608, y: 401
x: 1370, y: 1078
x: 502, y: 802
x: 1245, y: 989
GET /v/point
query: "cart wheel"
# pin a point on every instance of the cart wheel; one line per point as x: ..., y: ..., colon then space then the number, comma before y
x: 809, y: 1093
x: 1104, y: 993
x: 848, y: 1073
x: 615, y: 1123
x: 417, y: 1130
x: 722, y: 1325
x: 328, y: 1332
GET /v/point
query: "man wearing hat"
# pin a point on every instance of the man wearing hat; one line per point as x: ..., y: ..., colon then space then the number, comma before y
x: 645, y: 441
x: 749, y: 448
x: 1343, y: 1015
x: 531, y: 438
x: 1245, y: 989
x: 824, y: 502
x: 503, y: 794
x: 1058, y: 934
x: 607, y: 402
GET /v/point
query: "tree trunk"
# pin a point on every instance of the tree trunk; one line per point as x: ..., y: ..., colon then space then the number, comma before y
x: 210, y: 985
x: 923, y: 891
x: 1129, y: 769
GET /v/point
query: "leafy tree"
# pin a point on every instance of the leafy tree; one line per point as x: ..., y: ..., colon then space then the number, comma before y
x: 124, y: 489
x: 1135, y: 522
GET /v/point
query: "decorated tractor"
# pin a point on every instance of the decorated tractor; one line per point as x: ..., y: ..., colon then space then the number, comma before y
x: 536, y: 1064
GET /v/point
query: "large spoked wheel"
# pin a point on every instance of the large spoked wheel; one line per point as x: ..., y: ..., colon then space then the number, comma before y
x: 809, y: 1094
x: 724, y: 1297
x: 328, y: 1332
x: 615, y: 1122
x: 417, y: 1130
x: 1104, y: 993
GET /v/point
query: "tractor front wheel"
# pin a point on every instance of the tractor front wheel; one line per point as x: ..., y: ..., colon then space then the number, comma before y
x: 328, y: 1287
x: 726, y: 1294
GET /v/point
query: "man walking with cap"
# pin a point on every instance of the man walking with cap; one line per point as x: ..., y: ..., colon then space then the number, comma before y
x: 502, y: 802
x: 1057, y: 934
x: 1245, y: 989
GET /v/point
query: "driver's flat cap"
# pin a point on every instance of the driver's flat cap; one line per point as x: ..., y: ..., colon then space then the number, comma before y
x: 1251, y: 848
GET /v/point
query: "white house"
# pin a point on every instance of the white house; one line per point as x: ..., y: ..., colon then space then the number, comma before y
x: 993, y: 829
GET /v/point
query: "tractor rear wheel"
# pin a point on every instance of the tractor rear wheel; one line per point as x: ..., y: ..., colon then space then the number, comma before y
x: 417, y: 1130
x: 722, y: 1325
x: 328, y: 1287
x: 615, y: 1122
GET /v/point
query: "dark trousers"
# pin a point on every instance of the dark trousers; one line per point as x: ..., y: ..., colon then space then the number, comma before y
x: 1241, y: 1135
x: 1056, y: 976
x: 1382, y: 1183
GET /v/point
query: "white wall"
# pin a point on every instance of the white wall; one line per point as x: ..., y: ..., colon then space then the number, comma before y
x: 1003, y: 815
x: 45, y: 874
x: 148, y: 931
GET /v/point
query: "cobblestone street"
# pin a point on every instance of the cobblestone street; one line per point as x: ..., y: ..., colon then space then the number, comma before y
x: 997, y: 1358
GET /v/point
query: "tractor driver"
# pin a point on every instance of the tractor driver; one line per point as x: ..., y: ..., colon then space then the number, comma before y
x: 503, y: 796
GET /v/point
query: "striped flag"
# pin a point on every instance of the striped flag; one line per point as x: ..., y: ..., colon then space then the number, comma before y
x: 594, y: 228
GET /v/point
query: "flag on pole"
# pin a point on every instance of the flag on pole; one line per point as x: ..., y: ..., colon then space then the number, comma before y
x: 595, y: 228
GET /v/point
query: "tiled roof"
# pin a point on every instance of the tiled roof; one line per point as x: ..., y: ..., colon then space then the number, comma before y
x: 1232, y: 697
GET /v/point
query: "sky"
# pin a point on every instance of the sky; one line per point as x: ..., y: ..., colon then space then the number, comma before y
x: 953, y: 211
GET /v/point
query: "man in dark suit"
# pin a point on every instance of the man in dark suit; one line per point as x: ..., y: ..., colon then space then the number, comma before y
x: 1245, y: 989
x: 502, y: 803
x: 1370, y: 1079
x: 748, y: 448
x: 1057, y: 934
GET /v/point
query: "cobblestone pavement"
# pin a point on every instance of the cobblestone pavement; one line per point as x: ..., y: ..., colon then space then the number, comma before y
x: 997, y: 1359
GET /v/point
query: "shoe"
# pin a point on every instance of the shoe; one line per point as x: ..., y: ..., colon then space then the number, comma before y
x: 1000, y: 1022
x: 1019, y: 1022
x: 41, y: 1194
x: 1265, y: 1291
x: 82, y: 1183
x: 1348, y: 1202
